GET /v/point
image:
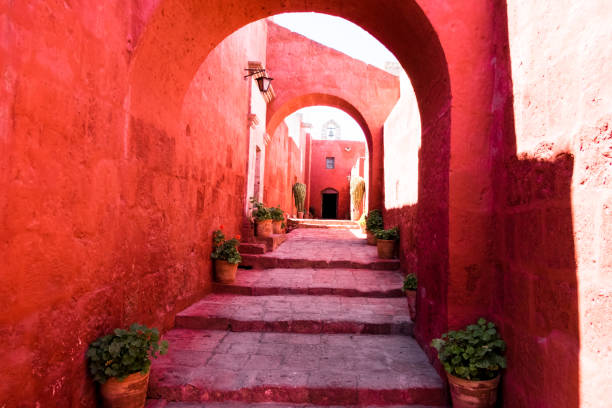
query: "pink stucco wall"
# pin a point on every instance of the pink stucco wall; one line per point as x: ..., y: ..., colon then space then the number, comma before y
x: 104, y: 219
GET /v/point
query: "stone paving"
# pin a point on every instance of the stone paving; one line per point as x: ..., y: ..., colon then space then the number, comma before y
x: 233, y: 404
x: 299, y: 337
x: 300, y: 368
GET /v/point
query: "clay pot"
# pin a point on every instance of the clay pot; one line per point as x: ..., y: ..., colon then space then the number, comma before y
x: 264, y: 228
x: 386, y: 248
x: 371, y: 238
x: 277, y: 227
x: 473, y: 394
x: 300, y: 214
x: 131, y: 392
x: 225, y: 272
x: 411, y: 297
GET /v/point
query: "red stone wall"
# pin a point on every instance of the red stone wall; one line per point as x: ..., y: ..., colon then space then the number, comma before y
x: 282, y: 170
x: 105, y: 219
x: 99, y: 199
x: 554, y: 201
x: 322, y: 178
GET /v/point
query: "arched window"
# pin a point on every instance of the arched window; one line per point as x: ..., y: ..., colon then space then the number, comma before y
x: 330, y: 130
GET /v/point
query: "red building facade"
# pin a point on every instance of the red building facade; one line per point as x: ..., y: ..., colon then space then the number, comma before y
x: 330, y: 172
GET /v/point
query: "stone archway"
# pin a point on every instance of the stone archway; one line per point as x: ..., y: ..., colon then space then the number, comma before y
x: 180, y: 34
x: 366, y: 93
x: 304, y: 101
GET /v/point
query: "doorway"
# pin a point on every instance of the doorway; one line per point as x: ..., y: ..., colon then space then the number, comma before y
x: 257, y: 181
x: 329, y: 204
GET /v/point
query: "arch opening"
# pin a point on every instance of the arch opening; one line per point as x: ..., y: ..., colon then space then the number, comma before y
x: 163, y: 58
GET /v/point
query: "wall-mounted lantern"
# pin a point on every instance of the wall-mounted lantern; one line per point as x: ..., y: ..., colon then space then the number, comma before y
x: 263, y: 81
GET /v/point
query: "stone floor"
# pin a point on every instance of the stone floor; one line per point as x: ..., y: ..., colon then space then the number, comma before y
x: 299, y: 337
x: 165, y: 404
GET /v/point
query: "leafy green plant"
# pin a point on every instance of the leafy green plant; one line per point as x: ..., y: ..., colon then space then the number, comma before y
x: 374, y: 221
x: 260, y: 211
x: 124, y: 352
x: 362, y: 221
x: 226, y: 250
x: 299, y: 196
x: 276, y: 213
x: 390, y: 234
x: 410, y: 282
x: 475, y: 353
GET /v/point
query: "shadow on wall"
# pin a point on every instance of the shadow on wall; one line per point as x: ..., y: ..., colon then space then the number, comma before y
x: 530, y: 286
x: 538, y: 301
x: 534, y: 294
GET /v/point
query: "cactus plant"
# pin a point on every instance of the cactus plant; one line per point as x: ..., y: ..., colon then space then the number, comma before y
x: 357, y: 191
x: 299, y: 195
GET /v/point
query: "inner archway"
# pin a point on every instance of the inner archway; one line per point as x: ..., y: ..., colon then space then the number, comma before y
x: 181, y: 34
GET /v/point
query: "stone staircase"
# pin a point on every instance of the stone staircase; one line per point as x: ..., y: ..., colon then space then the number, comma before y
x: 306, y: 335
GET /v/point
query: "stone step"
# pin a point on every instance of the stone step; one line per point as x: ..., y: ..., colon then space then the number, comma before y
x: 328, y: 226
x: 251, y: 248
x: 272, y: 242
x: 308, y: 281
x: 273, y: 260
x: 322, y: 221
x: 319, y: 369
x: 234, y: 404
x: 316, y: 223
x: 298, y: 314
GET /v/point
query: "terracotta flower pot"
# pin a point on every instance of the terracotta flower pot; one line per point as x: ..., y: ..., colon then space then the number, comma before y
x: 411, y: 297
x: 264, y: 228
x: 131, y: 392
x: 371, y: 238
x: 473, y: 394
x: 277, y: 227
x: 386, y: 248
x: 300, y: 214
x: 225, y: 272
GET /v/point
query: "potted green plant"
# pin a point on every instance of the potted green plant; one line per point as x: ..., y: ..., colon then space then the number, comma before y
x: 362, y: 223
x: 473, y: 359
x: 410, y: 288
x: 278, y: 216
x: 299, y: 196
x: 385, y: 242
x: 374, y: 222
x: 226, y: 256
x: 263, y: 219
x: 120, y: 362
